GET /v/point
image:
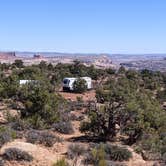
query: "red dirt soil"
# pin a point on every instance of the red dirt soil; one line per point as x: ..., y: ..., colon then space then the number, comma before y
x: 87, y: 96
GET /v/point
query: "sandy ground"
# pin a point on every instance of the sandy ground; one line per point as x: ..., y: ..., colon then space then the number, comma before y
x: 87, y: 96
x: 43, y: 156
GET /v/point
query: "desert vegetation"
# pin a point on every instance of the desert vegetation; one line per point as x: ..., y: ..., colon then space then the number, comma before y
x: 125, y: 117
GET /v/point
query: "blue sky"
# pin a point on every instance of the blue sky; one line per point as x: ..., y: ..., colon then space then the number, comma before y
x: 86, y: 26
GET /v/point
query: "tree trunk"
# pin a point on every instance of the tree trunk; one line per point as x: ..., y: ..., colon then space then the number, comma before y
x: 111, y: 127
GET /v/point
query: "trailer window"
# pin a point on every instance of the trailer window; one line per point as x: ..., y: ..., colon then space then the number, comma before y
x: 66, y: 81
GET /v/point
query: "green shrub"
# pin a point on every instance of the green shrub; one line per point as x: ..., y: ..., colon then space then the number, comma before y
x: 18, y: 63
x: 41, y: 105
x: 61, y: 162
x: 48, y: 139
x: 80, y: 86
x: 33, y: 137
x: 36, y: 122
x: 63, y: 127
x: 6, y: 135
x: 20, y: 124
x: 44, y: 138
x: 138, y: 149
x: 10, y: 118
x: 17, y: 154
x: 75, y: 150
x: 152, y: 146
x: 100, y: 153
x: 102, y: 95
x: 117, y: 153
x: 4, y: 138
x: 96, y: 156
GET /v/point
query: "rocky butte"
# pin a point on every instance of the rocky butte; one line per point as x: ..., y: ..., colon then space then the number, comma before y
x: 29, y: 58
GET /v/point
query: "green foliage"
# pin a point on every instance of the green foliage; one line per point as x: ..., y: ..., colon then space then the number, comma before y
x: 17, y: 154
x: 29, y: 73
x: 117, y: 153
x: 122, y: 70
x: 131, y: 74
x: 152, y: 80
x: 79, y: 86
x: 130, y: 103
x: 6, y: 135
x: 161, y: 96
x: 43, y: 65
x: 110, y: 71
x: 97, y: 125
x: 152, y: 146
x: 18, y: 63
x: 9, y: 86
x: 61, y: 162
x: 44, y: 138
x: 96, y: 156
x: 48, y: 74
x: 63, y: 127
x: 79, y: 70
x: 139, y: 113
x: 4, y: 66
x: 41, y: 106
x: 75, y: 150
x: 100, y: 153
x: 102, y: 95
x: 19, y: 124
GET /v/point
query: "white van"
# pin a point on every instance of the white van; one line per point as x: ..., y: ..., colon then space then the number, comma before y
x: 68, y: 83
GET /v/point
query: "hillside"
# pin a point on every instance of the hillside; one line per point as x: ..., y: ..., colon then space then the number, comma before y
x: 121, y: 121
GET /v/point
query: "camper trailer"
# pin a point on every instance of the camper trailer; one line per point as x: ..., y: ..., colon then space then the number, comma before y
x: 24, y: 82
x: 69, y: 82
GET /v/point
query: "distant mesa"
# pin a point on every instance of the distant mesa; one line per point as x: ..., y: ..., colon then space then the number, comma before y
x: 98, y: 60
x: 7, y: 55
x: 38, y: 56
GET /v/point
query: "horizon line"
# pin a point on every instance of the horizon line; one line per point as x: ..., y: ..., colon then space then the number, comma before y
x: 99, y: 53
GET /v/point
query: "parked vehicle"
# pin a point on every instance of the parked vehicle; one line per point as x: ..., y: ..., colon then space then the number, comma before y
x: 68, y: 83
x: 23, y: 82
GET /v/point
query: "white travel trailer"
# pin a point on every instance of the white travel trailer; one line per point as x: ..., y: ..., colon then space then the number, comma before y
x: 68, y: 83
x: 23, y: 82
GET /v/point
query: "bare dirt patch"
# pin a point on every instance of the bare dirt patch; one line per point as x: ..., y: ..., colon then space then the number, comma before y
x: 42, y: 156
x: 87, y: 96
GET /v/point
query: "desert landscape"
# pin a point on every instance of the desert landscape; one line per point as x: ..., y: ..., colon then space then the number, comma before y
x: 44, y: 156
x: 98, y: 60
x: 83, y: 83
x: 42, y: 124
x: 154, y: 62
